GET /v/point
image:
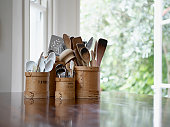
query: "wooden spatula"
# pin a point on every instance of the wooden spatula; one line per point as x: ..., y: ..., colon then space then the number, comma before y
x: 101, y: 47
x: 75, y: 41
x: 78, y: 58
x: 67, y: 41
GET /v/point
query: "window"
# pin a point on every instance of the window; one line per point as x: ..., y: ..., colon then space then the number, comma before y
x: 38, y: 28
x: 128, y: 26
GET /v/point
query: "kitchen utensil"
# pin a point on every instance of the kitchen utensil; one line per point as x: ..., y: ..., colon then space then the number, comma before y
x: 50, y: 51
x: 59, y: 66
x: 75, y: 41
x: 41, y: 65
x: 67, y: 41
x: 57, y: 45
x: 51, y: 56
x: 39, y: 62
x: 72, y: 68
x: 89, y: 43
x: 49, y: 66
x: 66, y: 55
x: 71, y: 38
x: 85, y: 55
x: 78, y: 58
x: 102, y: 44
x: 93, y: 62
x: 95, y: 49
x: 30, y: 65
x: 79, y: 46
x: 85, y: 42
x: 60, y: 71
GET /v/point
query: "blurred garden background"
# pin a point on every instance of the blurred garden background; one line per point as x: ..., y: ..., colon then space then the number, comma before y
x: 128, y: 25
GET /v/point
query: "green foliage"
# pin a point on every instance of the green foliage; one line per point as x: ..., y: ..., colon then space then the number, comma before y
x: 128, y: 26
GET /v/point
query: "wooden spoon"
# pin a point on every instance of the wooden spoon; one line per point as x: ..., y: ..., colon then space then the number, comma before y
x: 67, y: 41
x: 102, y: 44
x: 85, y: 55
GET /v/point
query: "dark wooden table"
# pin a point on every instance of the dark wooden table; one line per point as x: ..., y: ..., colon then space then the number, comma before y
x: 113, y: 109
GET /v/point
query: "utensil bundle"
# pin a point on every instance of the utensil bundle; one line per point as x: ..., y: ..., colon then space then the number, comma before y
x: 72, y: 51
x: 65, y: 71
x: 76, y: 51
x: 43, y: 65
x: 82, y: 53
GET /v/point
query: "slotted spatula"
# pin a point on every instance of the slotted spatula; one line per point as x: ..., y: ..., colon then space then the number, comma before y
x: 101, y: 47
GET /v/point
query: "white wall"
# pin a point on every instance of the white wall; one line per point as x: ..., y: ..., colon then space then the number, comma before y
x: 17, y: 84
x: 5, y: 45
x: 67, y: 17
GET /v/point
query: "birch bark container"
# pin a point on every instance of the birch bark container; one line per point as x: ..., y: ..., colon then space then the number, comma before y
x: 65, y: 88
x: 37, y: 85
x: 87, y: 82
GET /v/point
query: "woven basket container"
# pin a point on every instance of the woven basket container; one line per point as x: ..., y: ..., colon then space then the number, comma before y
x: 87, y: 82
x: 65, y: 88
x: 37, y: 85
x: 52, y: 85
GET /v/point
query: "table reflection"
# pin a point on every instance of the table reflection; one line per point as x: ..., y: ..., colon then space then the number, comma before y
x: 65, y: 113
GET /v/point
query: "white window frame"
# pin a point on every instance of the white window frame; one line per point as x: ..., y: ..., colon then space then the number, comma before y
x: 49, y: 28
x: 158, y: 85
x: 44, y: 11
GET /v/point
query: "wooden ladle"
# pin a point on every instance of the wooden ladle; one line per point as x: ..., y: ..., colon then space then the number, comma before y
x: 85, y: 55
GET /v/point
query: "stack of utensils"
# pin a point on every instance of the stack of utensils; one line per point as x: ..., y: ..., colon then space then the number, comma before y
x: 78, y: 51
x: 66, y: 55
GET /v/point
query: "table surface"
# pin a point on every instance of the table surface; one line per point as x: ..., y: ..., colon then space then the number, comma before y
x: 113, y: 109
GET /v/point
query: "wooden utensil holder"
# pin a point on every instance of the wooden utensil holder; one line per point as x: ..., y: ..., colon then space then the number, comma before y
x: 65, y: 88
x: 87, y: 82
x: 37, y: 85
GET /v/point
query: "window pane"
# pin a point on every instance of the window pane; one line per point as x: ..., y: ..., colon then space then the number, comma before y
x: 36, y: 33
x: 128, y: 26
x: 44, y: 3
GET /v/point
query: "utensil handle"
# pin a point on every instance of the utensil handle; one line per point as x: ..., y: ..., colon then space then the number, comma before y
x: 92, y: 54
x: 39, y: 61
